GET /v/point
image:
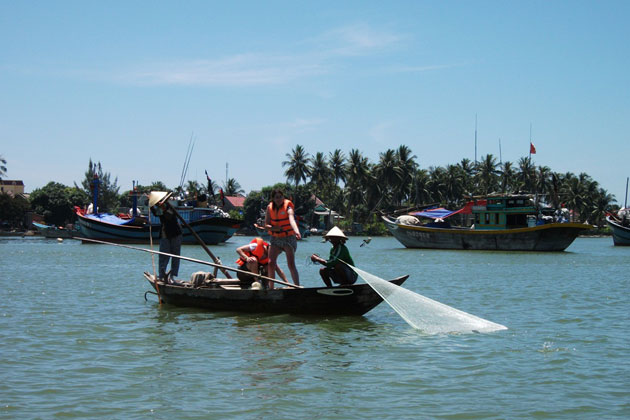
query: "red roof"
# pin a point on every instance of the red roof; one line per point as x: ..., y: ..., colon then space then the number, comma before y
x: 235, y: 200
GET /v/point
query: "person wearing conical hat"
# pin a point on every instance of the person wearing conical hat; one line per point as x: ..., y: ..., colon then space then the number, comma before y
x: 170, y: 234
x: 336, y: 268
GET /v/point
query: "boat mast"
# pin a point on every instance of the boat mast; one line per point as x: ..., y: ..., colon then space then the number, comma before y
x: 625, y: 205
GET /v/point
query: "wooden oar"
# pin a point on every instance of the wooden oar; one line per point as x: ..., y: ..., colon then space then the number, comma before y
x: 223, y: 267
x: 203, y: 245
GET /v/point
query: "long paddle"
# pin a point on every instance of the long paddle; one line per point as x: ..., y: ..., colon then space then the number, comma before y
x: 223, y: 267
x: 203, y: 245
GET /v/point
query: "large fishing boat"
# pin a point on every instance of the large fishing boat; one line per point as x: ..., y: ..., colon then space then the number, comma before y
x: 227, y: 295
x: 497, y: 222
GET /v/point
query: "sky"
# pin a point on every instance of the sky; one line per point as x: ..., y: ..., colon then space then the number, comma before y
x: 129, y: 84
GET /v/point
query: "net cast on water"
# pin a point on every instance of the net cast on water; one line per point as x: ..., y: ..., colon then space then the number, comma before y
x: 426, y: 314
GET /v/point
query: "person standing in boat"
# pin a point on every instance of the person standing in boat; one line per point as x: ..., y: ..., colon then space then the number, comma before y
x: 336, y: 268
x: 170, y: 235
x: 280, y: 222
x: 254, y: 258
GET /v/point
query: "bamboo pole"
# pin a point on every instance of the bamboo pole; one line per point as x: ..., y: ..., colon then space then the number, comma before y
x: 222, y: 267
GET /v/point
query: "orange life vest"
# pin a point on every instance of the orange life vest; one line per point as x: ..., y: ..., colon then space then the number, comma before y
x: 280, y: 218
x: 259, y: 252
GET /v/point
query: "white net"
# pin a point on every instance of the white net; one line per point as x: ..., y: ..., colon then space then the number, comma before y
x: 425, y: 314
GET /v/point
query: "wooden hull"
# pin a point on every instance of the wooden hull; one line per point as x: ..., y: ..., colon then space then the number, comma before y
x: 621, y: 234
x: 355, y: 299
x: 547, y: 237
x: 212, y: 230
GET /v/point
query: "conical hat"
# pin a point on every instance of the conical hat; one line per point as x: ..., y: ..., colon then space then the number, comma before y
x: 157, y: 196
x: 335, y: 232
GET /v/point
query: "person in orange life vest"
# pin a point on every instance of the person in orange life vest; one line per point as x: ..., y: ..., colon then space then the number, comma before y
x: 254, y: 257
x: 280, y: 222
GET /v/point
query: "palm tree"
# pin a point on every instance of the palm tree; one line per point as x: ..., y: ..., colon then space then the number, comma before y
x: 468, y: 170
x: 600, y: 204
x: 453, y: 184
x: 387, y: 172
x: 572, y: 193
x: 420, y: 191
x: 321, y: 174
x: 507, y: 177
x: 357, y: 176
x: 487, y: 174
x: 298, y: 165
x: 3, y: 168
x: 525, y: 178
x: 232, y: 187
x: 408, y: 166
x: 436, y: 184
x: 193, y: 188
x: 337, y: 163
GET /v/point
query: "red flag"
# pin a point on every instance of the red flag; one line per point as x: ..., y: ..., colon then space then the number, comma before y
x: 532, y: 149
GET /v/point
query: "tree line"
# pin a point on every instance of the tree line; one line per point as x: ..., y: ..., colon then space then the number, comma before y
x: 350, y: 184
x: 358, y: 188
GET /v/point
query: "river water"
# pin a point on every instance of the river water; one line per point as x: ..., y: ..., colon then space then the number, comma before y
x: 78, y: 339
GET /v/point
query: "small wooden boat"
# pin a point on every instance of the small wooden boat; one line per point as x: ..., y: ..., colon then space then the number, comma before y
x: 227, y: 295
x: 620, y: 231
x: 55, y: 232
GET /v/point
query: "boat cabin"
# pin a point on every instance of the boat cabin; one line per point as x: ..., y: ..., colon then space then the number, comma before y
x: 505, y: 212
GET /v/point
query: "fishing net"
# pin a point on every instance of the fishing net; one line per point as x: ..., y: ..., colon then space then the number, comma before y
x: 426, y: 314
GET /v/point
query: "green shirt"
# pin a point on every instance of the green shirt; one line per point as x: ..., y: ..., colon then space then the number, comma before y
x: 337, y: 253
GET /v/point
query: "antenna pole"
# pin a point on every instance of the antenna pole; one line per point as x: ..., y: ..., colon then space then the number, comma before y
x: 475, y: 138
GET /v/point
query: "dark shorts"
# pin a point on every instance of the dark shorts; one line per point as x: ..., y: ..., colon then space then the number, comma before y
x: 342, y: 274
x: 246, y: 279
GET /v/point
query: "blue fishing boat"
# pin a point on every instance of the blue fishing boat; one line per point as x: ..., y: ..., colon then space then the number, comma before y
x: 212, y: 224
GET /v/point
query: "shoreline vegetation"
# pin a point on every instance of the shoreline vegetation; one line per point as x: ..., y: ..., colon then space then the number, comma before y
x: 351, y: 186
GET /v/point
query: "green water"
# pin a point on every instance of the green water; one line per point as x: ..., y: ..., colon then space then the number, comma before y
x: 78, y: 340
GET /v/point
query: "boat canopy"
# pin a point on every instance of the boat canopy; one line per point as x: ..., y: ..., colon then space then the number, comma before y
x: 435, y: 213
x: 109, y: 218
x: 442, y: 213
x: 42, y: 226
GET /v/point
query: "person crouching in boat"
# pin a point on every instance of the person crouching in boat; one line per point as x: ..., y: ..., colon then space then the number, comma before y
x: 280, y: 222
x: 335, y: 271
x: 254, y: 258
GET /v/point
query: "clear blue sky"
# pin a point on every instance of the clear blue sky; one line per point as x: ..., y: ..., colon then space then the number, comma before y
x: 127, y: 83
